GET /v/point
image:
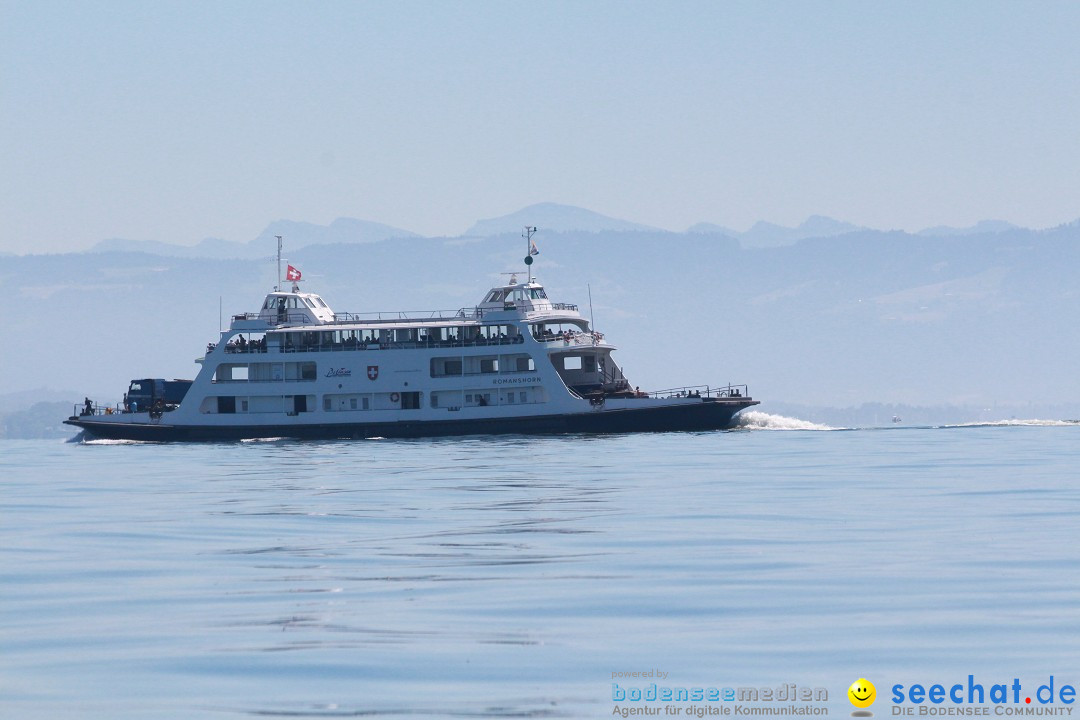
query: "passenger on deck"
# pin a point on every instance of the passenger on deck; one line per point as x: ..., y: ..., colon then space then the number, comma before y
x: 88, y: 407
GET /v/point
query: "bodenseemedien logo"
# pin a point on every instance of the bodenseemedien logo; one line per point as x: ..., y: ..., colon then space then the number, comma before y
x: 862, y: 694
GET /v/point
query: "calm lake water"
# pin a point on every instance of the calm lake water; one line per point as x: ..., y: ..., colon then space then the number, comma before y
x: 512, y: 576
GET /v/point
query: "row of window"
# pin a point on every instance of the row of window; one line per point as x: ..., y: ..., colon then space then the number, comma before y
x: 381, y: 337
x: 481, y: 364
x: 515, y: 295
x: 351, y: 337
x: 276, y: 302
x: 265, y: 372
x: 346, y: 402
x: 440, y: 367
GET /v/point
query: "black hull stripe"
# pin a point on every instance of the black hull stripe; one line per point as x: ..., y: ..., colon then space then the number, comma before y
x: 707, y: 415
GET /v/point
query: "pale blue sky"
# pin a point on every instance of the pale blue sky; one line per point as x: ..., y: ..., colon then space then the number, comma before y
x: 176, y: 121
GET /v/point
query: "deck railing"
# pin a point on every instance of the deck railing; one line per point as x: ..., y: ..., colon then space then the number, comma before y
x: 705, y: 391
x: 96, y: 408
x: 409, y: 315
x: 302, y: 317
x: 574, y: 338
x: 350, y: 345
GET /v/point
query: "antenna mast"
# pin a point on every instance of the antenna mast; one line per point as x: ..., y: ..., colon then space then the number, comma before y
x: 527, y: 234
x: 278, y: 286
x: 592, y: 320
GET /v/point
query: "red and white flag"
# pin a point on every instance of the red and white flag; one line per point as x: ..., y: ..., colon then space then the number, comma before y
x: 292, y: 274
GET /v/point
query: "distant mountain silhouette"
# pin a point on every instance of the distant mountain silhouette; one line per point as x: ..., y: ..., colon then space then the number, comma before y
x: 765, y: 234
x: 980, y: 228
x: 551, y: 217
x: 712, y: 229
x: 298, y: 234
x: 554, y: 217
x: 209, y: 248
x: 342, y: 230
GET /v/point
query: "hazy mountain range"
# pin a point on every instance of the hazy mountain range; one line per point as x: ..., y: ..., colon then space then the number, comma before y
x: 551, y: 217
x: 983, y: 319
x: 300, y: 234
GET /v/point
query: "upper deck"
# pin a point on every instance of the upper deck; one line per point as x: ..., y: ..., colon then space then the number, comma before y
x: 513, y: 301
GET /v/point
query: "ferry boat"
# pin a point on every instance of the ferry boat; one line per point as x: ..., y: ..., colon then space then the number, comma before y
x: 516, y: 362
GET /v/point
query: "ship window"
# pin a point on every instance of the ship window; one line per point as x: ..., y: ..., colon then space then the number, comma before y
x: 489, y: 365
x: 494, y: 296
x: 326, y: 403
x: 441, y: 367
x: 367, y: 404
x: 510, y: 398
x: 523, y: 396
x: 572, y: 362
x: 309, y: 303
x: 307, y: 371
x: 352, y: 403
x: 538, y: 294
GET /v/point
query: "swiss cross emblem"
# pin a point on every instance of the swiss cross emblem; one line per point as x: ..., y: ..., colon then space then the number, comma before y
x: 372, y: 372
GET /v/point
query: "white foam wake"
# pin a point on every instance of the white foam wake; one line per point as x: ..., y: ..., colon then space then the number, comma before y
x: 1033, y: 422
x: 757, y: 420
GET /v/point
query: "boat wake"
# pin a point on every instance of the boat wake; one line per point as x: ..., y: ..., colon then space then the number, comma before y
x: 757, y: 420
x: 1033, y: 422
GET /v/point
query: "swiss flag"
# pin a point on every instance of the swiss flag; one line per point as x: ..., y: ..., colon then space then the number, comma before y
x: 292, y: 274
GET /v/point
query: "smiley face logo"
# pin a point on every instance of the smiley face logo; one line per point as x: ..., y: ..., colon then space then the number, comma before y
x: 862, y: 693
